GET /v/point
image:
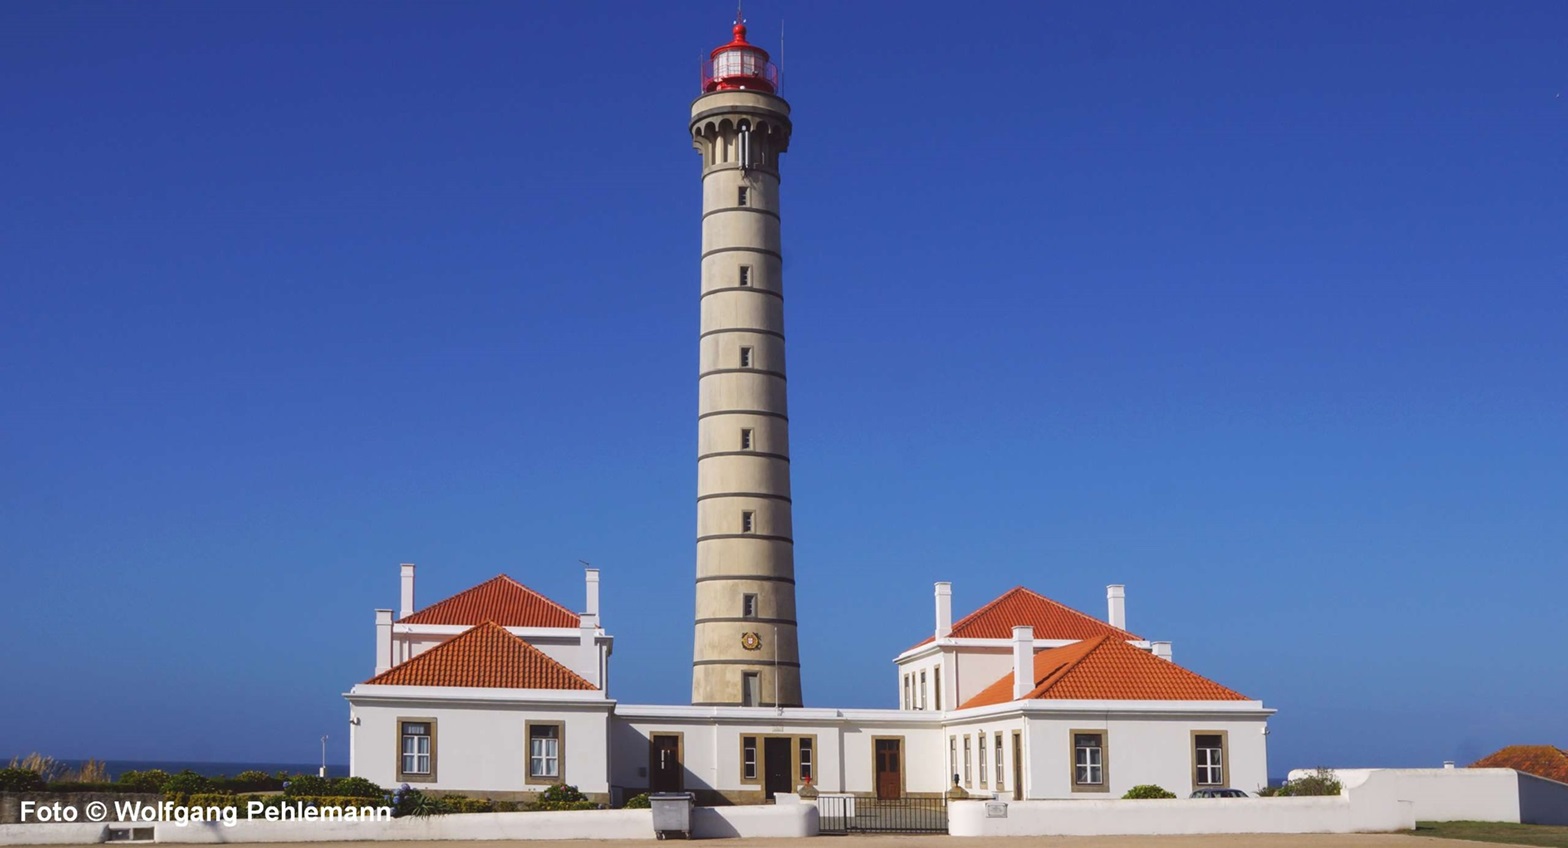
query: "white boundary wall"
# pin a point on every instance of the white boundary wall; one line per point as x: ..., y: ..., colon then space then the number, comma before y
x: 1370, y: 808
x: 782, y: 821
x: 1468, y: 794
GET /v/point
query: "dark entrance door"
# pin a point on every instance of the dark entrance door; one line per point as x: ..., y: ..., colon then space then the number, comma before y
x: 890, y: 773
x: 665, y: 773
x: 778, y: 767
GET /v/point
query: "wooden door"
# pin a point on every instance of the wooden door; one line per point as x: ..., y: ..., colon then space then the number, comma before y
x: 778, y: 766
x: 890, y: 769
x: 665, y: 772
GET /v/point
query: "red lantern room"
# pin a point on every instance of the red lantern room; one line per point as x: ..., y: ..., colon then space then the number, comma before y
x: 739, y: 65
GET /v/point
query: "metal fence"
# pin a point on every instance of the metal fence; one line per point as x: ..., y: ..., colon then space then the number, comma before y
x: 845, y: 813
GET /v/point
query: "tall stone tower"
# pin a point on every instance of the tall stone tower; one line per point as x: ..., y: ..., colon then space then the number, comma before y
x: 746, y: 651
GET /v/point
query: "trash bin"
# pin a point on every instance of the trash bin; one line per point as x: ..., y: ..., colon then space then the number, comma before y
x: 671, y: 813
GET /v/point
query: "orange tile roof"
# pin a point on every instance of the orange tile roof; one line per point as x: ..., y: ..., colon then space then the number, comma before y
x: 1106, y: 668
x: 1019, y: 607
x: 1540, y: 760
x: 484, y: 656
x: 500, y: 599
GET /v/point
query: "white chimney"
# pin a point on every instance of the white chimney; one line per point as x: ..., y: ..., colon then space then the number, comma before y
x: 591, y: 580
x: 1023, y: 661
x: 408, y: 591
x: 588, y: 649
x: 383, y: 640
x: 1448, y: 764
x: 1116, y: 599
x: 1162, y: 650
x: 944, y: 610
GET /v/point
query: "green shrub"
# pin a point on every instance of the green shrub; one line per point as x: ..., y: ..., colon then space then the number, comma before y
x: 151, y: 780
x: 507, y: 806
x: 214, y: 799
x: 1320, y: 782
x: 320, y: 801
x: 357, y: 787
x: 1146, y: 792
x: 66, y: 786
x: 637, y: 802
x: 563, y: 796
x: 307, y: 784
x: 20, y: 780
x: 453, y: 804
x: 186, y: 783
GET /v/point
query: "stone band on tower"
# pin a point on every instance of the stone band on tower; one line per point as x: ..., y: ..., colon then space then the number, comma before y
x: 746, y: 650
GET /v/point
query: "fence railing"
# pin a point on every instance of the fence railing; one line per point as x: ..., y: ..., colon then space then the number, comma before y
x: 848, y: 813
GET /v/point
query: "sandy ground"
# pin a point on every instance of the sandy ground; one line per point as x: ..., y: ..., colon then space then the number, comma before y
x: 1367, y: 840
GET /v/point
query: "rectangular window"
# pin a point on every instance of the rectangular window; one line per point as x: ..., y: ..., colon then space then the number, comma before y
x: 1088, y: 759
x: 998, y: 762
x: 1208, y: 754
x: 745, y: 357
x: 980, y: 743
x: 952, y: 757
x: 807, y: 762
x: 748, y: 755
x: 743, y: 197
x: 416, y: 750
x: 544, y: 752
x: 745, y: 276
x: 745, y: 438
x: 748, y: 522
x: 936, y: 684
x: 906, y: 693
x: 748, y: 606
x: 751, y: 689
x: 968, y: 773
x: 922, y: 689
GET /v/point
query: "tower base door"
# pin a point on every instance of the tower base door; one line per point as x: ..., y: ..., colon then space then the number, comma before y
x: 665, y: 772
x: 779, y: 766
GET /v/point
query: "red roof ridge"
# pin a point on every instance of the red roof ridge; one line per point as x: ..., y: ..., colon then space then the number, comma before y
x: 486, y: 656
x: 977, y: 616
x: 1122, y: 673
x: 501, y: 599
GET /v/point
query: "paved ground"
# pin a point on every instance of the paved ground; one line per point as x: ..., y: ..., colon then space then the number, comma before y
x: 1382, y: 840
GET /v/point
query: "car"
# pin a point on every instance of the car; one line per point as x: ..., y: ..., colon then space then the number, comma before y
x: 1219, y: 793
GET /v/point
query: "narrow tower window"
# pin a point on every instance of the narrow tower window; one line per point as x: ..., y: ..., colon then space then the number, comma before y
x: 743, y: 197
x: 745, y: 438
x: 751, y: 689
x: 748, y: 522
x: 745, y: 276
x: 745, y: 357
x: 748, y: 606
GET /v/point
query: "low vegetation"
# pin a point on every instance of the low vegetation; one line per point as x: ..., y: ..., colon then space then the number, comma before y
x: 1146, y: 792
x: 637, y: 802
x: 1496, y: 832
x: 1317, y: 784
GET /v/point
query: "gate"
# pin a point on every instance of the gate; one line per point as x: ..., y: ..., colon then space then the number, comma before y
x: 843, y: 813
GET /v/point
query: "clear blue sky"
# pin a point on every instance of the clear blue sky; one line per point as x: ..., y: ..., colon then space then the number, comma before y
x: 1260, y: 309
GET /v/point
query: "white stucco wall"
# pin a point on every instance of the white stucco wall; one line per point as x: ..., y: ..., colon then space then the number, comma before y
x: 1155, y: 749
x: 1372, y: 808
x: 482, y: 745
x: 782, y: 821
x: 1468, y: 794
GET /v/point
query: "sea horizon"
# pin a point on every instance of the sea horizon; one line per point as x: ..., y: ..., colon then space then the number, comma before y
x: 205, y: 768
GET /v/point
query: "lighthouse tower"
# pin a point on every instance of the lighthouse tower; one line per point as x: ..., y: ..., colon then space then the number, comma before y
x: 746, y: 650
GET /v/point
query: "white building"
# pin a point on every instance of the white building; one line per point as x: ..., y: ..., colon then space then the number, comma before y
x: 498, y: 691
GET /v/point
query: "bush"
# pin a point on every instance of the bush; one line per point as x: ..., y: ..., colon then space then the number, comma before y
x: 307, y: 784
x: 20, y: 780
x: 637, y: 802
x: 1147, y: 792
x: 1320, y: 782
x: 186, y: 783
x: 47, y: 768
x: 563, y: 796
x: 412, y: 802
x: 151, y: 780
x: 357, y: 787
x: 122, y: 788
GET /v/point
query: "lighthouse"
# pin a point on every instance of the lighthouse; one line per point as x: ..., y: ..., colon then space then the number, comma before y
x: 746, y: 650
